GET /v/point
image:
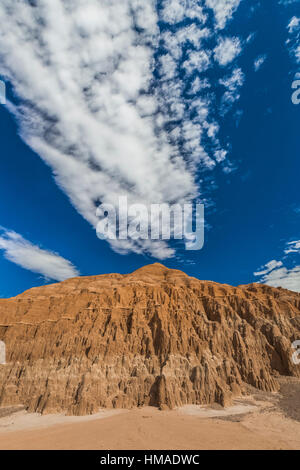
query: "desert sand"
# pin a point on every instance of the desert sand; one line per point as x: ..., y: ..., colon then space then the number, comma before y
x: 250, y: 423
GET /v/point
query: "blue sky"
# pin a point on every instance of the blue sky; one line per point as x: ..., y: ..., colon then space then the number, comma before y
x: 165, y: 101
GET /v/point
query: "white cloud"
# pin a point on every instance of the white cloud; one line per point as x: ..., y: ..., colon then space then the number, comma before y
x: 220, y: 155
x: 197, y: 61
x: 269, y: 267
x: 83, y: 74
x: 227, y: 50
x: 175, y: 11
x: 293, y: 42
x: 293, y: 247
x: 277, y: 274
x: 198, y: 85
x: 293, y: 24
x: 250, y: 38
x: 283, y: 277
x: 259, y: 62
x: 232, y: 83
x: 193, y: 54
x: 187, y: 35
x: 168, y: 66
x: 79, y: 68
x: 223, y: 10
x: 28, y: 256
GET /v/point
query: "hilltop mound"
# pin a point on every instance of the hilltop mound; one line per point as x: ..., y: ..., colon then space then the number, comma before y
x: 154, y: 337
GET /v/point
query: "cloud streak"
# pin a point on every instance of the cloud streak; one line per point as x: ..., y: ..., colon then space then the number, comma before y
x: 259, y: 61
x: 23, y: 253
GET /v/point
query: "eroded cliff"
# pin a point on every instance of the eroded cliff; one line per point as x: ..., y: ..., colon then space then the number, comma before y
x: 156, y: 336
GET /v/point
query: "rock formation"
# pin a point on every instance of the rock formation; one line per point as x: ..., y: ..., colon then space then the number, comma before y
x: 154, y: 337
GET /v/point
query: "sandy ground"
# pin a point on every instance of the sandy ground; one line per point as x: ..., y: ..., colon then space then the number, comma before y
x: 23, y: 421
x: 251, y: 423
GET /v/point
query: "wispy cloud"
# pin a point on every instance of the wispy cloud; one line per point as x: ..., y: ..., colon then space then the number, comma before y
x: 284, y: 273
x: 259, y: 62
x: 23, y: 253
x: 288, y: 2
x: 293, y: 24
x: 89, y: 103
x: 293, y: 30
x: 232, y: 84
x: 293, y: 247
x: 269, y: 267
x: 293, y: 41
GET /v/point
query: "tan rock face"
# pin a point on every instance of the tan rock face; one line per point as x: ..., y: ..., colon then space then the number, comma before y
x: 155, y: 336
